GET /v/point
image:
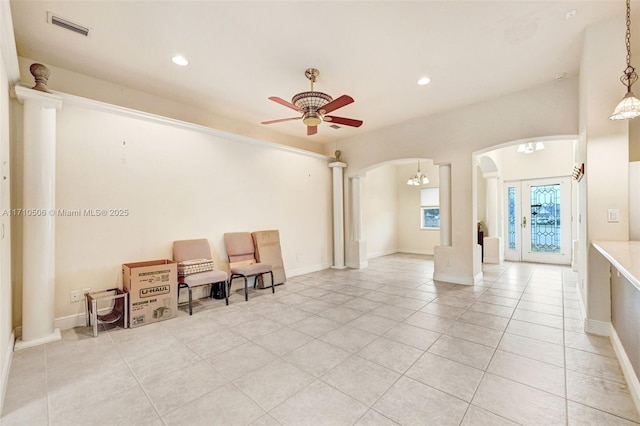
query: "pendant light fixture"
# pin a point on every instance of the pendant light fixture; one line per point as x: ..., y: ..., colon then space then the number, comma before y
x: 418, y: 179
x: 629, y: 106
x: 528, y: 148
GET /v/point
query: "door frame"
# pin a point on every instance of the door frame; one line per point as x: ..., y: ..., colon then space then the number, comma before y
x: 523, y: 221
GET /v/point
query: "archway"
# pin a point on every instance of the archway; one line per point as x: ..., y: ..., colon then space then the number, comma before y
x: 507, y: 166
x: 387, y: 212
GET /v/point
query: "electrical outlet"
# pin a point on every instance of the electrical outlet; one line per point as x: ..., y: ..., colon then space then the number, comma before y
x: 75, y: 296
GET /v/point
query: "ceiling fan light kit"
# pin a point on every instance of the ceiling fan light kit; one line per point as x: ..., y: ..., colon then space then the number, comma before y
x: 314, y: 106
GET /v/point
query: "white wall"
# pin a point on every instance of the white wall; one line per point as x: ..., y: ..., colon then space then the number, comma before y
x: 489, y: 164
x: 379, y: 211
x: 604, y: 148
x: 92, y: 88
x: 412, y: 239
x: 176, y: 184
x: 607, y: 141
x: 6, y: 342
x: 452, y: 137
x: 634, y: 180
x: 481, y: 202
x: 391, y: 210
x: 9, y: 75
x: 555, y: 160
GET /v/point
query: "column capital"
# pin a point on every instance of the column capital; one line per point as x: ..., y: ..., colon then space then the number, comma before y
x: 338, y: 164
x: 48, y: 100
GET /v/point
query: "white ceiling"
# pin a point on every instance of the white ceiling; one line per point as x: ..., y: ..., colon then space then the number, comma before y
x: 242, y: 52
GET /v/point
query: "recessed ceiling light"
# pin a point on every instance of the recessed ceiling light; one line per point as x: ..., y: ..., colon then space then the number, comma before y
x: 423, y: 81
x: 180, y: 60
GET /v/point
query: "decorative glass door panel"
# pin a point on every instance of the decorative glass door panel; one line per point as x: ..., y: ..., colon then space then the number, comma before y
x: 513, y: 231
x: 545, y: 218
x: 538, y: 220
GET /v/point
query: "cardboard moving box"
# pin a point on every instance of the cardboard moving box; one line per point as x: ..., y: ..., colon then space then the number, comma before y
x: 153, y: 290
x: 268, y: 251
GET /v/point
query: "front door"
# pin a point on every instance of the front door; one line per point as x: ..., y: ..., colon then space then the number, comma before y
x: 538, y: 220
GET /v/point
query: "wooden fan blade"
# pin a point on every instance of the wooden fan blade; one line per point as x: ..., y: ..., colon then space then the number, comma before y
x: 312, y: 130
x: 336, y: 103
x: 341, y: 120
x: 285, y: 103
x: 280, y: 120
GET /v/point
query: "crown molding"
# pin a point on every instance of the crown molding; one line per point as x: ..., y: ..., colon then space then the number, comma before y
x: 8, y: 44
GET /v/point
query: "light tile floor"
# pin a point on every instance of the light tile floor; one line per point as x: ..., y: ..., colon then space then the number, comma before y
x: 383, y: 345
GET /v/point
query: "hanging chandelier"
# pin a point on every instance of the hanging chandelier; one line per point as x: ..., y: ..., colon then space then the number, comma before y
x: 530, y: 147
x: 418, y: 179
x: 629, y: 106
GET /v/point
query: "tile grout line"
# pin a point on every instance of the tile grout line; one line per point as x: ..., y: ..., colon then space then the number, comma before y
x: 484, y: 291
x: 564, y: 358
x: 484, y: 371
x: 142, y: 388
x: 401, y: 375
x: 46, y: 378
x: 351, y: 355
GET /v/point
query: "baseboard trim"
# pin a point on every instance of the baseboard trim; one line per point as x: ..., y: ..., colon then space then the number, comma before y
x: 627, y: 369
x: 54, y: 336
x: 413, y: 251
x: 358, y: 265
x: 66, y: 323
x: 381, y: 253
x: 6, y: 368
x: 491, y: 260
x: 73, y: 321
x: 600, y: 328
x: 307, y: 269
x: 79, y: 320
x: 583, y: 312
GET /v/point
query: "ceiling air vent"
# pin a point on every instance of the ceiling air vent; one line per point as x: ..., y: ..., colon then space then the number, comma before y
x: 66, y: 24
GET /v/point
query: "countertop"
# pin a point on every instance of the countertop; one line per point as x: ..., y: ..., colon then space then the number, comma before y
x: 624, y: 256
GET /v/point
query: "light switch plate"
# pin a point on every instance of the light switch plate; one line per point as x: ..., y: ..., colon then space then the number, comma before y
x: 613, y: 215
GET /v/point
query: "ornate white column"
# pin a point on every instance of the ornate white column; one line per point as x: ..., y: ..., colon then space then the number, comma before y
x: 492, y: 243
x: 356, y: 192
x: 445, y: 204
x: 492, y: 206
x: 338, y: 214
x: 357, y: 246
x: 39, y: 197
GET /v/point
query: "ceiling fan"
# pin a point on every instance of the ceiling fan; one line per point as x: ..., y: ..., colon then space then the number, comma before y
x: 314, y: 106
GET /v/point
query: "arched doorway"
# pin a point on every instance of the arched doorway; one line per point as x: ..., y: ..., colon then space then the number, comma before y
x: 393, y: 212
x: 527, y: 199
